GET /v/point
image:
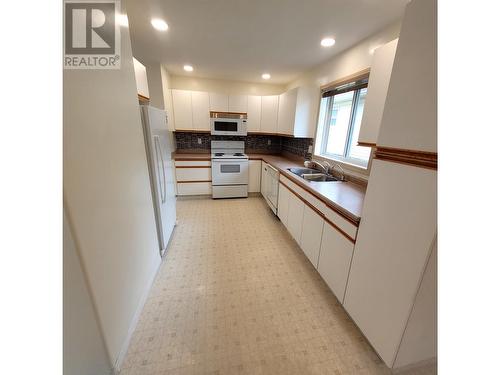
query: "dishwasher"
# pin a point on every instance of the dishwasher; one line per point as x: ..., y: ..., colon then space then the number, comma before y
x: 271, y: 187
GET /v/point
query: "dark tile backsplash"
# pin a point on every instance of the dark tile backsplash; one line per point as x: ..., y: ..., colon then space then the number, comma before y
x: 253, y: 143
x: 297, y: 146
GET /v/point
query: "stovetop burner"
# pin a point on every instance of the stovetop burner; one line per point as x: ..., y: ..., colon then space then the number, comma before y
x: 219, y: 154
x: 238, y: 154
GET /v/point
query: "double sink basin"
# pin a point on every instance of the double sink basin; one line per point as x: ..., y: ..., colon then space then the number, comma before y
x: 310, y: 174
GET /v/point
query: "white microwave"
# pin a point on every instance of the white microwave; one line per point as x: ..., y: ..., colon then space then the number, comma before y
x: 228, y: 123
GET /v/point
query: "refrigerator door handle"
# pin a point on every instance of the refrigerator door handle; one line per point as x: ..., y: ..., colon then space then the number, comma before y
x: 158, y: 151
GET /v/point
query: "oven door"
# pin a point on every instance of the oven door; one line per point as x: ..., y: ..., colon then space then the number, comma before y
x: 228, y: 126
x: 229, y: 172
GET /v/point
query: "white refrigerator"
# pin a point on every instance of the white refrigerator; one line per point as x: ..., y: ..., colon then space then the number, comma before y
x: 159, y: 147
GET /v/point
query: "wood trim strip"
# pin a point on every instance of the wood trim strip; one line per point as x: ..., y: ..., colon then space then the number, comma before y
x: 207, y: 158
x: 191, y: 131
x: 192, y: 182
x: 365, y: 73
x: 422, y: 159
x: 319, y: 213
x: 339, y: 230
x: 192, y: 166
x: 367, y: 144
x: 142, y: 97
x: 328, y: 204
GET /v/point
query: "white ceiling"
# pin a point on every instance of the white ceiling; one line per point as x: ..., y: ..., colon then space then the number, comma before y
x: 241, y: 39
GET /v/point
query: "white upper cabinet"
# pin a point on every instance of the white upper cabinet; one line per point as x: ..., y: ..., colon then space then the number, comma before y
x: 269, y: 114
x: 183, y: 112
x: 238, y: 103
x: 378, y: 84
x: 410, y: 113
x: 200, y: 108
x: 219, y: 102
x: 253, y: 112
x: 141, y: 79
x: 298, y: 109
x: 286, y: 112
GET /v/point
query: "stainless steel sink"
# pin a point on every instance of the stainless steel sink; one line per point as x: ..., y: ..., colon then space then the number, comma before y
x: 310, y: 174
x: 301, y: 171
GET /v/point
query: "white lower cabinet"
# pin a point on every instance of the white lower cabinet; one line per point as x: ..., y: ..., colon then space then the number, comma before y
x: 194, y: 188
x: 193, y: 177
x: 283, y: 202
x: 295, y: 216
x: 312, y: 230
x: 254, y: 175
x: 335, y: 259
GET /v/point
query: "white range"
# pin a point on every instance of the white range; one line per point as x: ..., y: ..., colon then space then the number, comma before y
x: 229, y: 169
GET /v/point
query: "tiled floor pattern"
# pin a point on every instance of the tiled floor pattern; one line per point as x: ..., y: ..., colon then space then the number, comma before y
x: 235, y: 295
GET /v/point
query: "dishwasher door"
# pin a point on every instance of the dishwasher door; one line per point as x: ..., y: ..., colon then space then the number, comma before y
x: 272, y: 185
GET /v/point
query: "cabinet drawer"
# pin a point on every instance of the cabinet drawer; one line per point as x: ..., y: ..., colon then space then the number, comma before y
x: 350, y: 229
x: 194, y: 188
x: 193, y: 174
x: 193, y: 163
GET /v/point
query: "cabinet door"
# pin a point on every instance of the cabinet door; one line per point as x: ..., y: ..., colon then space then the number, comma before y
x: 380, y: 75
x: 253, y: 112
x: 254, y: 176
x: 335, y: 259
x: 394, y: 241
x: 269, y: 114
x: 201, y: 112
x: 141, y: 78
x: 295, y: 217
x: 312, y: 230
x: 410, y: 113
x: 263, y: 180
x: 183, y: 112
x: 218, y: 102
x: 286, y: 112
x: 238, y: 103
x: 283, y: 201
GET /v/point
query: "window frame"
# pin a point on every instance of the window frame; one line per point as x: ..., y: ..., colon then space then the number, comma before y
x: 357, y: 81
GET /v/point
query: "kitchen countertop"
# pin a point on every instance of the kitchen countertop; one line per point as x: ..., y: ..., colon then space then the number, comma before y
x: 343, y: 197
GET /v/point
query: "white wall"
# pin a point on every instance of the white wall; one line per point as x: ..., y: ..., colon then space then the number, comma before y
x: 349, y: 61
x: 224, y: 86
x: 84, y: 352
x: 107, y: 193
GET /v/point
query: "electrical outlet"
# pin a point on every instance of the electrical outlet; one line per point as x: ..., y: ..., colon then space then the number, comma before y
x: 269, y: 142
x: 199, y: 141
x: 310, y: 149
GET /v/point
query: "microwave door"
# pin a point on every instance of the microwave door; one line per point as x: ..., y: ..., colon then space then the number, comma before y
x: 229, y: 127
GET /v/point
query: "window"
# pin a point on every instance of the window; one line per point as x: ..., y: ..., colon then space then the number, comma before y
x: 339, y: 123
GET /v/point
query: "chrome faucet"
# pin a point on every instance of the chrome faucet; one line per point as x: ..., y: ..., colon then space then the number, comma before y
x: 342, y: 172
x: 326, y: 167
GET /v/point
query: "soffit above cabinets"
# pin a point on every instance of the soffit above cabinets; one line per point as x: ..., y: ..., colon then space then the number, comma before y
x: 240, y: 39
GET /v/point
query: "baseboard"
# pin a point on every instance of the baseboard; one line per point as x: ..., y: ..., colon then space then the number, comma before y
x: 415, y: 366
x: 123, y: 352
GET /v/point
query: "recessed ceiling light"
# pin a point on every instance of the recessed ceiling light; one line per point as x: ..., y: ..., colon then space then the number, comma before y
x: 266, y: 76
x: 159, y: 24
x: 327, y: 42
x: 188, y: 68
x: 122, y: 20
